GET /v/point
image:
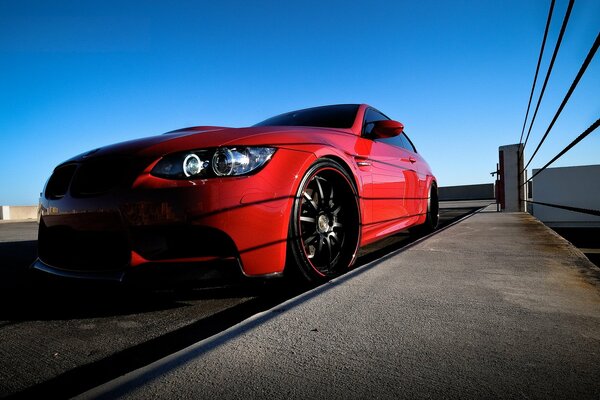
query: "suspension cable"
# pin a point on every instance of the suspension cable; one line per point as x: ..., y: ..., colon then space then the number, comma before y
x: 556, y: 48
x: 579, y: 138
x: 537, y: 68
x: 587, y: 61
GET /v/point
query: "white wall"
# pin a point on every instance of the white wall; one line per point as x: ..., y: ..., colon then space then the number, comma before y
x: 568, y: 186
x: 18, y: 212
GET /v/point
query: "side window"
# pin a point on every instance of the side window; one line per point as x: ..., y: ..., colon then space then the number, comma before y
x: 372, y: 116
x: 394, y: 141
x: 407, y: 144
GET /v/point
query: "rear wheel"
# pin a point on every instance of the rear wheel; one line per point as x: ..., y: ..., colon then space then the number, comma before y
x: 324, y: 225
x: 433, y: 213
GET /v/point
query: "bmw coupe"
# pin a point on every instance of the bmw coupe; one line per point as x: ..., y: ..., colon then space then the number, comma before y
x: 301, y: 191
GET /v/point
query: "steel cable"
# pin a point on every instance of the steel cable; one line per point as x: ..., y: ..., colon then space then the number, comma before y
x: 584, y: 66
x: 569, y: 208
x: 579, y: 138
x: 537, y: 68
x: 556, y: 48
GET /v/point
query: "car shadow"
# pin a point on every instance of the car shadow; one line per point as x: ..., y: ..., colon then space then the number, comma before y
x: 27, y: 294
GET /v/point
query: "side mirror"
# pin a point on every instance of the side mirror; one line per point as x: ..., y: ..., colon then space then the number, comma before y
x: 387, y: 128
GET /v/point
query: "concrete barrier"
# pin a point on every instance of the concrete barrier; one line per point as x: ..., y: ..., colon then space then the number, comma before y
x: 18, y: 212
x: 483, y: 191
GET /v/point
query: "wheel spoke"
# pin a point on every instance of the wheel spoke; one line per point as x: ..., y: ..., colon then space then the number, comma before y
x: 311, y: 201
x: 337, y: 224
x: 328, y: 241
x: 337, y: 210
x: 308, y: 219
x: 320, y: 249
x: 333, y: 237
x: 311, y: 239
x: 321, y: 196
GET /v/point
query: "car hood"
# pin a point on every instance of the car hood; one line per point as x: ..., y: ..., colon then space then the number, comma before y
x: 206, y: 137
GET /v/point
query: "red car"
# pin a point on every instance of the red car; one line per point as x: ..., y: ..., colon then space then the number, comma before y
x: 300, y: 191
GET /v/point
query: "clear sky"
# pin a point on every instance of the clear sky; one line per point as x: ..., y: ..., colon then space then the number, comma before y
x: 76, y: 75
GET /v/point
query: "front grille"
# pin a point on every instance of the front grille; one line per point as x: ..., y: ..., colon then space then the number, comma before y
x: 99, y: 176
x: 67, y: 248
x: 58, y: 184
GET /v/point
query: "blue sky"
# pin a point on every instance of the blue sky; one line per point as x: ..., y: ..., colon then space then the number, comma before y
x: 78, y: 75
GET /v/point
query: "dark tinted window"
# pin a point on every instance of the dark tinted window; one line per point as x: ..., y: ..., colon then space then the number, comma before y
x: 407, y: 144
x: 372, y: 116
x: 394, y: 141
x: 338, y: 116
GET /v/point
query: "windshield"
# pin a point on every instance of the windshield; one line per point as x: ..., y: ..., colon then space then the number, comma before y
x: 338, y: 116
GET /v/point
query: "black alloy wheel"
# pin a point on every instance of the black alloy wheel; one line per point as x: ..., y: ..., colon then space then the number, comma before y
x: 433, y: 208
x: 433, y: 214
x: 325, y: 223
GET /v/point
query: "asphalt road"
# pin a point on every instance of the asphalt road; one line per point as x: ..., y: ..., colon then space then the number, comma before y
x: 61, y: 338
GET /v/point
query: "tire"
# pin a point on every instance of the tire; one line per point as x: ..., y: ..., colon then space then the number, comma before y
x: 324, y: 224
x: 433, y: 214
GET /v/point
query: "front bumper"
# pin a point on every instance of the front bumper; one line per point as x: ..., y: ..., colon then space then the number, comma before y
x: 163, y: 223
x: 154, y: 274
x: 113, y: 276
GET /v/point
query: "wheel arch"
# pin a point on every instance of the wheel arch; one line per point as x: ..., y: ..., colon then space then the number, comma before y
x: 357, y: 184
x: 344, y: 165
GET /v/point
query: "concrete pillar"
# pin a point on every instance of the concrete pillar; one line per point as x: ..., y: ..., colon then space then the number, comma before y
x: 511, y: 178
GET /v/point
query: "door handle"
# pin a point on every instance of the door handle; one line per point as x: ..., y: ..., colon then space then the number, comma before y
x: 412, y: 159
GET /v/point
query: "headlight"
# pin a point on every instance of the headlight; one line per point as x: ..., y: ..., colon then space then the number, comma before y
x: 224, y: 161
x: 192, y: 165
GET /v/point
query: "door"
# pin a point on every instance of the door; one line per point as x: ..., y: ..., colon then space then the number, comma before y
x: 394, y: 180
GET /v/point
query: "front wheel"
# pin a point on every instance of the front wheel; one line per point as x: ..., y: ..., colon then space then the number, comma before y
x: 325, y: 223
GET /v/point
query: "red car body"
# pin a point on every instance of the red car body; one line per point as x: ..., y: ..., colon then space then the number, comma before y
x: 125, y: 218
